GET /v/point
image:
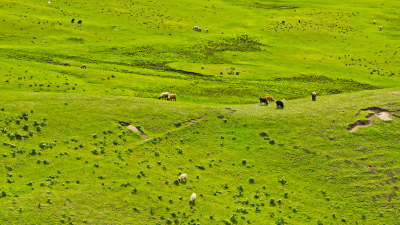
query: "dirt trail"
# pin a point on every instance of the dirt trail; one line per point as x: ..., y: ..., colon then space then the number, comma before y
x: 134, y: 130
x: 146, y: 138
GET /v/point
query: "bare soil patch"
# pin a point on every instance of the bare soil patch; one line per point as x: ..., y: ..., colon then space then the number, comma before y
x: 134, y: 130
x: 360, y: 123
x: 382, y: 114
x: 372, y: 169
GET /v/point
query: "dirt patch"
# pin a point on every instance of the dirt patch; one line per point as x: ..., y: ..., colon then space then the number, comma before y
x: 360, y: 123
x: 134, y: 130
x: 386, y: 116
x: 396, y: 92
x: 382, y: 114
x: 372, y: 169
x: 193, y: 121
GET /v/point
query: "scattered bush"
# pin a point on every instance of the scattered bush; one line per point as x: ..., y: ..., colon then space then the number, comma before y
x: 201, y: 167
x: 282, y: 180
x: 280, y: 221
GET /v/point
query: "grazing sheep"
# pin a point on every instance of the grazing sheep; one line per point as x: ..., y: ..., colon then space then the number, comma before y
x: 164, y: 95
x: 182, y: 177
x: 73, y: 20
x: 270, y: 99
x: 313, y: 96
x: 83, y: 66
x: 195, y: 28
x: 380, y: 28
x: 221, y: 32
x: 171, y: 97
x: 80, y: 22
x: 299, y: 20
x: 263, y: 101
x: 279, y: 104
x: 67, y: 64
x: 199, y: 30
x: 374, y: 21
x: 49, y: 2
x: 192, y: 198
x: 206, y: 30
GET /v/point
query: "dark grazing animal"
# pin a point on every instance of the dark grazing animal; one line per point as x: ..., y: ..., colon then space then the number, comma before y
x: 67, y: 64
x: 313, y: 96
x: 73, y: 20
x: 80, y: 22
x: 263, y: 101
x: 83, y: 66
x: 279, y: 104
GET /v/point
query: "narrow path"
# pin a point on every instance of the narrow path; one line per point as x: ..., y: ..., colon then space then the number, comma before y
x: 147, y: 138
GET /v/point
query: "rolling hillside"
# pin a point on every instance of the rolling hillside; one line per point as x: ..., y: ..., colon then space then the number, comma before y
x: 97, y: 146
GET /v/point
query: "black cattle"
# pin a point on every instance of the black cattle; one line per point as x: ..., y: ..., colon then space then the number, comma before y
x: 313, y: 96
x: 263, y: 101
x: 73, y: 20
x: 279, y: 104
x: 80, y: 22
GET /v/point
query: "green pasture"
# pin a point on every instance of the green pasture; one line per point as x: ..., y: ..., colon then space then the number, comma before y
x: 66, y: 156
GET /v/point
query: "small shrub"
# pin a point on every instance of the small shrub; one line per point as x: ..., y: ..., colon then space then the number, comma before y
x: 282, y: 180
x: 280, y: 221
x: 201, y: 167
x: 251, y: 180
x: 286, y: 195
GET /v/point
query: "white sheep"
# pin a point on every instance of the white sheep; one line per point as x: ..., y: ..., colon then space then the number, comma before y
x: 164, y: 95
x: 374, y: 21
x: 192, y: 198
x: 182, y: 177
x: 206, y: 30
x: 49, y: 2
x: 380, y: 28
x: 195, y: 28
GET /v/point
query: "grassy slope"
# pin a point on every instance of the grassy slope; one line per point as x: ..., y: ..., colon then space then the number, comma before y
x: 134, y: 49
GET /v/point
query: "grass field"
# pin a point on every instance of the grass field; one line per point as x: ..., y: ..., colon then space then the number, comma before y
x: 67, y: 156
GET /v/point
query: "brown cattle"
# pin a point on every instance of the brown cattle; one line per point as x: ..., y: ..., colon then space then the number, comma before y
x: 270, y: 99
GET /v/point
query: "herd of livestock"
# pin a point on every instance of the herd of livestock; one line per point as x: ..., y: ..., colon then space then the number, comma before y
x: 263, y: 100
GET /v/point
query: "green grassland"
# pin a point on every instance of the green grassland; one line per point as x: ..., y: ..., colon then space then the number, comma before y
x: 66, y: 158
